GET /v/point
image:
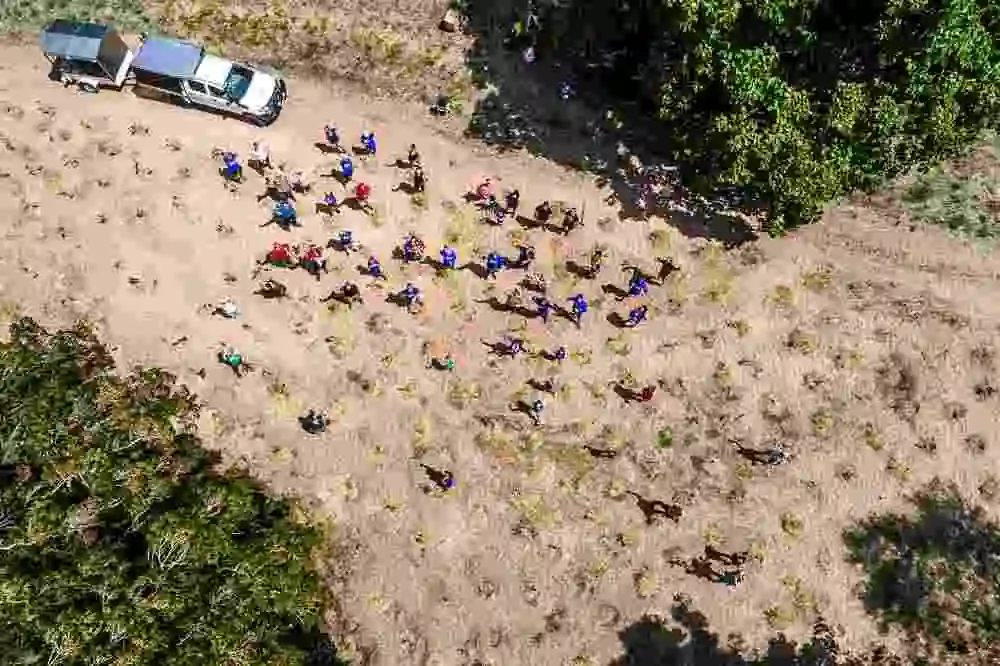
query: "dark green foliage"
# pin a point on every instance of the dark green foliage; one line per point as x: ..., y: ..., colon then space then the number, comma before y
x: 120, y: 539
x: 30, y: 15
x: 796, y: 102
x: 935, y: 574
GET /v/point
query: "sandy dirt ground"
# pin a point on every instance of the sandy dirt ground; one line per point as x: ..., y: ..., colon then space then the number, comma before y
x: 862, y: 345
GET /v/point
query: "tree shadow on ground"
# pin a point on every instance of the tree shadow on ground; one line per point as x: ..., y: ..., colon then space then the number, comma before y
x: 690, y: 642
x: 523, y: 107
x: 933, y: 573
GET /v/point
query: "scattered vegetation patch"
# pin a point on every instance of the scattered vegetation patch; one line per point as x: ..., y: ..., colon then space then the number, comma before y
x: 30, y: 15
x: 964, y: 204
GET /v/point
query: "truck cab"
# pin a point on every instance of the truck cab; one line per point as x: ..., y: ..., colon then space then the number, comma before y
x: 185, y: 71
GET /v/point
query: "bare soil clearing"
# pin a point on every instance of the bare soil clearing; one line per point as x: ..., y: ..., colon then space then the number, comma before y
x: 868, y: 349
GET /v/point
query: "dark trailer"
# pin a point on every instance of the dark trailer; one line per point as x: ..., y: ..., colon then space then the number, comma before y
x: 89, y: 55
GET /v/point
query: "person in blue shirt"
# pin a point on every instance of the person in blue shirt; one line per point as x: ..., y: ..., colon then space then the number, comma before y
x: 495, y: 263
x: 413, y: 249
x: 284, y: 214
x: 449, y: 258
x: 375, y: 269
x: 636, y: 316
x: 579, y: 308
x: 638, y: 286
x: 346, y: 168
x: 368, y: 142
x: 410, y: 295
x: 232, y: 169
x: 330, y: 202
x: 345, y: 241
x: 545, y: 307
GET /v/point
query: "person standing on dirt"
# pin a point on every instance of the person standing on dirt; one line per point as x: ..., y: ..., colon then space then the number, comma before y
x: 368, y: 143
x: 348, y: 294
x: 411, y: 296
x: 636, y: 316
x: 544, y: 308
x: 495, y: 262
x: 313, y: 261
x: 278, y: 186
x: 362, y: 192
x: 412, y: 156
x: 232, y: 358
x: 314, y: 423
x: 332, y: 137
x: 441, y: 478
x: 513, y: 200
x: 281, y: 255
x: 419, y: 180
x: 232, y: 170
x: 571, y: 220
x: 515, y: 346
x: 330, y: 202
x: 580, y: 308
x: 449, y: 258
x: 445, y: 363
x: 285, y: 215
x: 484, y: 191
x: 375, y: 269
x: 637, y: 286
x: 525, y: 255
x: 345, y: 241
x: 535, y: 410
x: 346, y: 168
x: 272, y: 289
x: 560, y: 354
x: 413, y: 248
x: 260, y: 155
x: 499, y: 215
x: 543, y: 212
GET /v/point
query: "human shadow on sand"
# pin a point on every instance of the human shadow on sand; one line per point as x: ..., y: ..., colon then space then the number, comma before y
x: 685, y: 638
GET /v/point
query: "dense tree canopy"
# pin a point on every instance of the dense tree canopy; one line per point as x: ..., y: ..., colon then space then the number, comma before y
x: 121, y: 542
x: 794, y: 101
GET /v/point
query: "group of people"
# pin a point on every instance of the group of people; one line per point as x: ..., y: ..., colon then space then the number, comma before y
x: 282, y: 189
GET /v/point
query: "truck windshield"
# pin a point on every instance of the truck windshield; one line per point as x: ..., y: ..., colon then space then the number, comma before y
x: 238, y: 82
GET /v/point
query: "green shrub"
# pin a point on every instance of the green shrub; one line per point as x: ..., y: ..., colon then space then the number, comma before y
x: 121, y: 539
x: 127, y: 15
x: 793, y: 102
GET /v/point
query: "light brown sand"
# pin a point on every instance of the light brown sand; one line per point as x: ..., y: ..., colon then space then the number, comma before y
x: 424, y: 579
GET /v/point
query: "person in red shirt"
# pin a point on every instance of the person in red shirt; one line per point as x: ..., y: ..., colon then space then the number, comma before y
x: 362, y: 192
x: 280, y: 255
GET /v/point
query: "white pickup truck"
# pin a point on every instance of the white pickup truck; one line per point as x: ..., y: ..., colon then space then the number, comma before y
x: 94, y: 56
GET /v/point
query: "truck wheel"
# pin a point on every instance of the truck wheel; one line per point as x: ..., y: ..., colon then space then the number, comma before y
x: 88, y: 88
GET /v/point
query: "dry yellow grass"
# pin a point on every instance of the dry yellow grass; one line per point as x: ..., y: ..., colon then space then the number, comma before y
x: 392, y: 48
